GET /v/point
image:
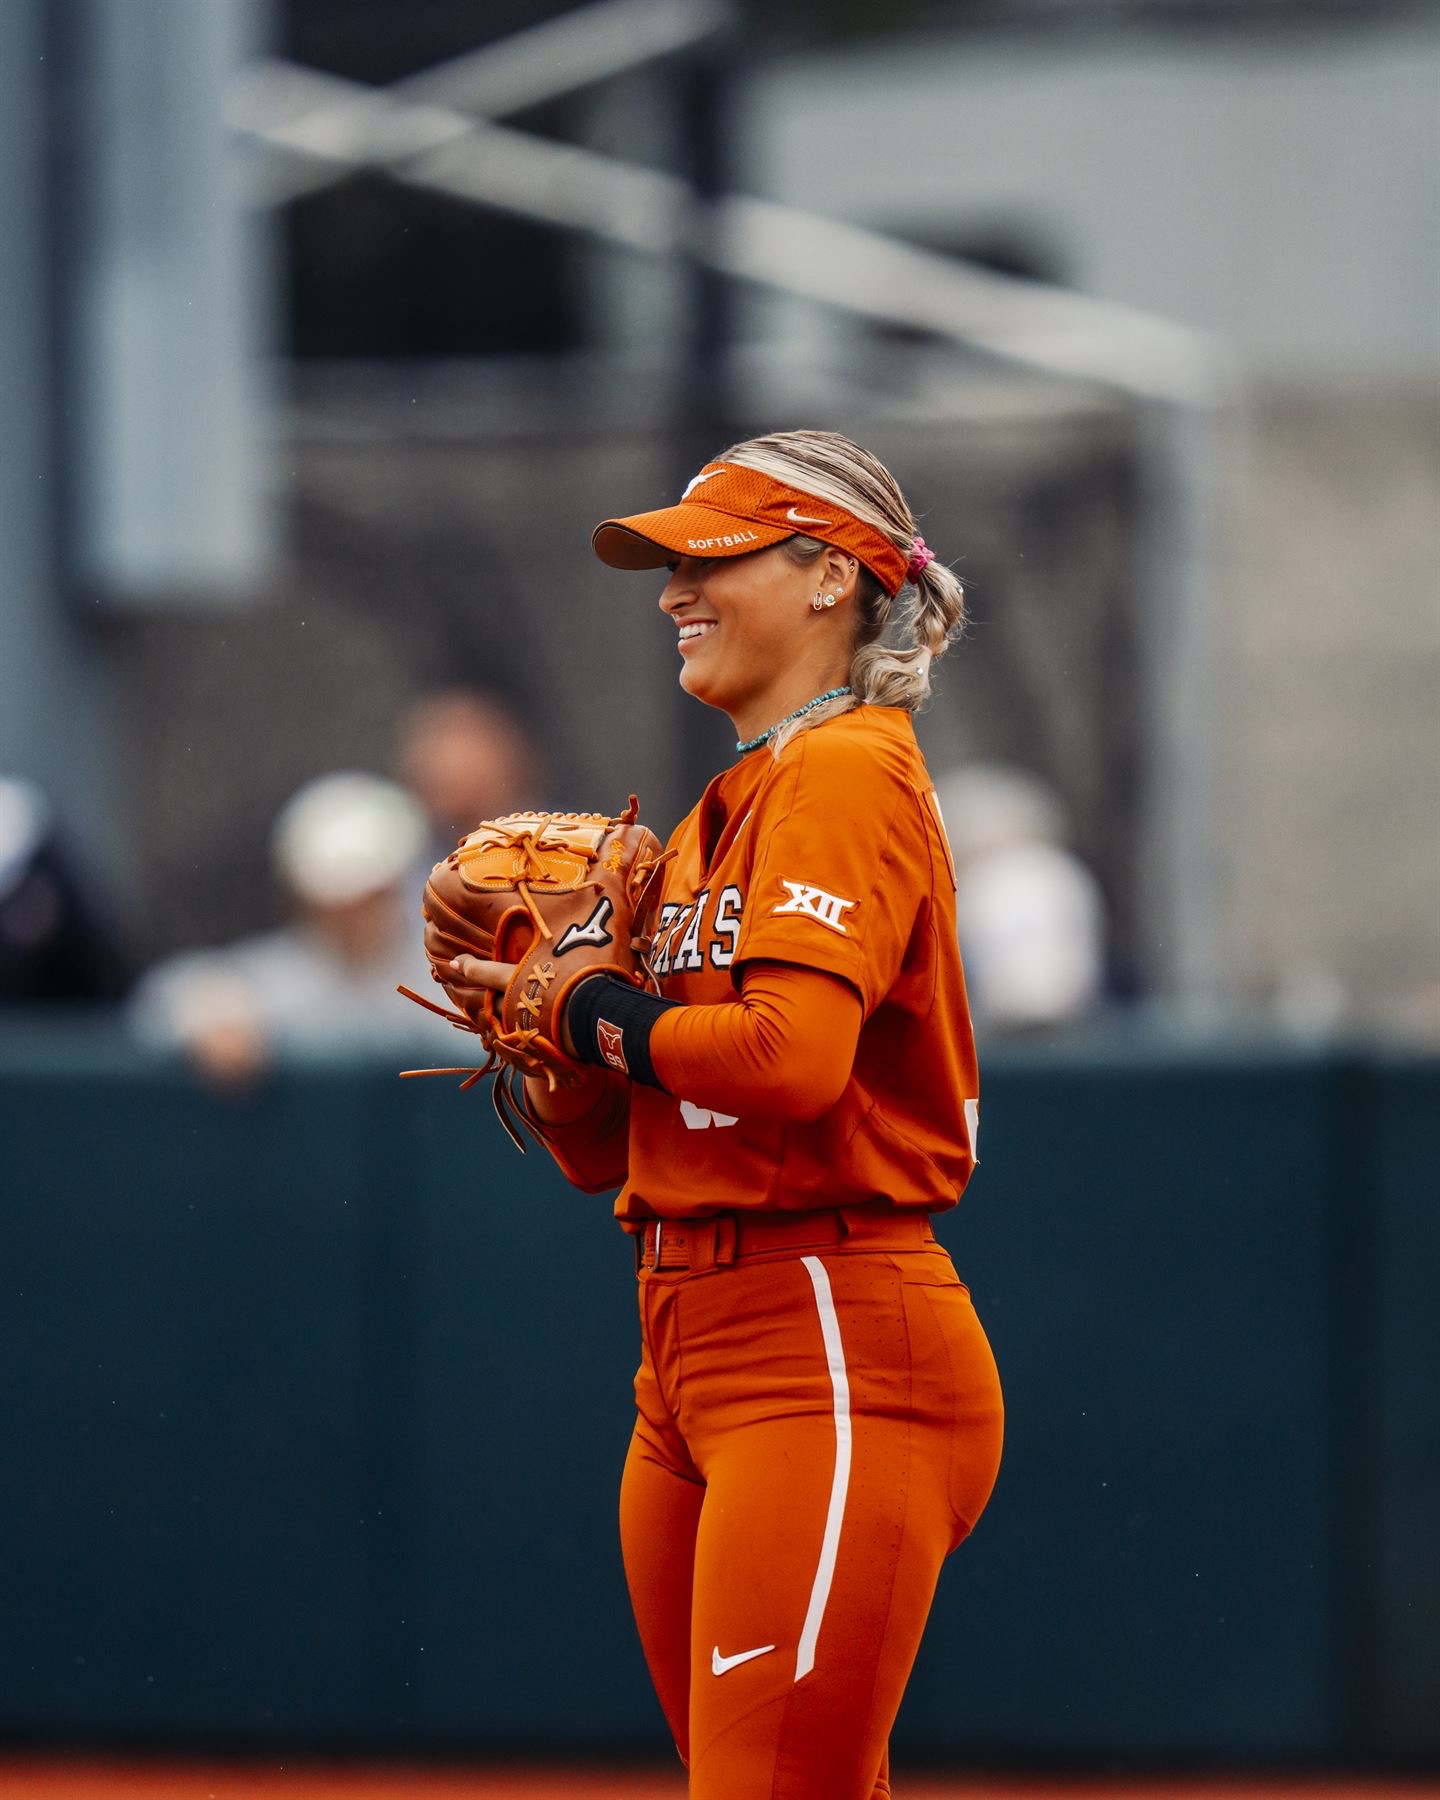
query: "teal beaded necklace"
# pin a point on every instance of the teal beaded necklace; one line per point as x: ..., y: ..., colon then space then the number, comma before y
x: 799, y: 713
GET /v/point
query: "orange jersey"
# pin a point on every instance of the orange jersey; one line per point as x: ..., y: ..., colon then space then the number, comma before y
x: 832, y: 858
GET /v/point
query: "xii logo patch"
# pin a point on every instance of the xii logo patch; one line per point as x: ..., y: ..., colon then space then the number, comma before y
x: 815, y: 903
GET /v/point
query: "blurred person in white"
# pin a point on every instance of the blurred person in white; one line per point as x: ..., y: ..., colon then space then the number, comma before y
x: 465, y: 757
x: 344, y: 848
x: 1030, y: 914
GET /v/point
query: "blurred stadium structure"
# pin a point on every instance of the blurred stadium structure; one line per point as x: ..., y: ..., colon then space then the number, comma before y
x: 327, y: 330
x: 1122, y: 490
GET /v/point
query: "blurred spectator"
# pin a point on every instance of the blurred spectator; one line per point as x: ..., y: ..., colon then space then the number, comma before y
x: 344, y: 849
x: 53, y: 942
x: 1030, y: 914
x: 466, y: 757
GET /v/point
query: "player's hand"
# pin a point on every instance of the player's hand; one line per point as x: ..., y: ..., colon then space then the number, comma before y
x: 474, y: 974
x: 463, y: 977
x: 469, y: 979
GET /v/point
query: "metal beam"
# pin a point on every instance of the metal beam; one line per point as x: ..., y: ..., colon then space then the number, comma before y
x: 333, y: 126
x: 56, y: 723
x: 324, y: 119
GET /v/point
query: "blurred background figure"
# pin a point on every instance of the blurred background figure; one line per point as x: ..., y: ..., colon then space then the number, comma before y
x: 1030, y: 914
x: 344, y: 849
x: 465, y: 756
x: 53, y: 943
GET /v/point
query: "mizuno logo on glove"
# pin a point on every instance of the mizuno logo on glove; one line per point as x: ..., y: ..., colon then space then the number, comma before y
x: 592, y: 932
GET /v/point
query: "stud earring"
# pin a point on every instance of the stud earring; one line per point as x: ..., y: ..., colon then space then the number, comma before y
x: 829, y: 599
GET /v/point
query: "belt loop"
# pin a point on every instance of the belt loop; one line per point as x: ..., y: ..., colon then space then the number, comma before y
x: 642, y: 1237
x: 727, y: 1236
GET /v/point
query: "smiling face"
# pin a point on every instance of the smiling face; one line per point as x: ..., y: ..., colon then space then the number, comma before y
x: 751, y: 643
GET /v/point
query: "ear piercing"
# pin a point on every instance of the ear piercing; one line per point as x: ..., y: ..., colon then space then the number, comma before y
x: 822, y: 600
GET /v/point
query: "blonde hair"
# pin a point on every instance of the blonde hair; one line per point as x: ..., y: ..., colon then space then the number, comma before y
x: 928, y: 611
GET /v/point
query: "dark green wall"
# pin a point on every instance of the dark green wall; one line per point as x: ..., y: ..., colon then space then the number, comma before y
x: 315, y: 1403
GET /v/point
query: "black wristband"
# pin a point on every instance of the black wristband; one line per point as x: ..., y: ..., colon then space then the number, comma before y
x: 610, y: 1023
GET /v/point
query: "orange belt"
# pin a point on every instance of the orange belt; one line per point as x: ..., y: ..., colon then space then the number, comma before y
x: 725, y: 1238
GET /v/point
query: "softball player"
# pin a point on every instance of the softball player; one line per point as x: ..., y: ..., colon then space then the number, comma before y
x: 819, y: 1416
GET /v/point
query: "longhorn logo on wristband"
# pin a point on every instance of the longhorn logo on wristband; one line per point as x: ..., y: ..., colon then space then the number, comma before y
x: 611, y: 1040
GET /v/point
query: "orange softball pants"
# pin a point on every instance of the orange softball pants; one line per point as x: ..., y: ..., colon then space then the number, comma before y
x: 818, y: 1427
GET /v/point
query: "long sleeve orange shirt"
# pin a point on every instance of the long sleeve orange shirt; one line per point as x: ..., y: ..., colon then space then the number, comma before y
x: 782, y: 1050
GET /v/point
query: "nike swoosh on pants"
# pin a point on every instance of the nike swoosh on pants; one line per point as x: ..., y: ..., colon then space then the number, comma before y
x: 719, y: 1664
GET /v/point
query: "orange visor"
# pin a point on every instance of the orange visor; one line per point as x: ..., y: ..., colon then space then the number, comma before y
x: 728, y: 511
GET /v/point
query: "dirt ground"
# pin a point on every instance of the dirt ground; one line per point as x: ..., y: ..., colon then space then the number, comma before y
x: 71, y: 1778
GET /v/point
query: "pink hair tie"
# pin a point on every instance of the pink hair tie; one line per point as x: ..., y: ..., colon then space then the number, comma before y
x: 920, y: 557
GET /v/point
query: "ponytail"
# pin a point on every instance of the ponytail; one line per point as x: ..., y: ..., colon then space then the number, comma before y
x: 929, y: 612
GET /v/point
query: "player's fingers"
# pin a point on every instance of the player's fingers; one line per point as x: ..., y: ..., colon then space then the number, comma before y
x: 473, y: 972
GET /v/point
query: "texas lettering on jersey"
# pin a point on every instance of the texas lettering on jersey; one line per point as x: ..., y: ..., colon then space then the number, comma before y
x: 681, y: 927
x: 692, y: 933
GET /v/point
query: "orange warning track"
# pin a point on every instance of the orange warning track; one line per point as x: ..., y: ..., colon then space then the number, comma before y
x: 57, y: 1778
